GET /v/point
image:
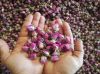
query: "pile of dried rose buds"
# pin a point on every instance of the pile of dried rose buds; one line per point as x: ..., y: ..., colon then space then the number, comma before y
x: 47, y: 45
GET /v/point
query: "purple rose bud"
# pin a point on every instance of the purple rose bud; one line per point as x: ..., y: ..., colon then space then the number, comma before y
x: 33, y: 46
x: 65, y: 47
x: 30, y: 28
x: 54, y: 58
x: 32, y: 56
x: 38, y: 29
x: 25, y: 48
x: 61, y: 36
x: 48, y: 42
x: 43, y: 59
x: 46, y: 36
x: 56, y: 46
x: 59, y: 43
x: 56, y: 53
x: 55, y: 35
x: 34, y: 33
x: 48, y: 47
x: 40, y: 39
x: 41, y: 33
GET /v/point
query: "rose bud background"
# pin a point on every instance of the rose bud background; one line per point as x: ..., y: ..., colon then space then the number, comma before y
x: 82, y: 15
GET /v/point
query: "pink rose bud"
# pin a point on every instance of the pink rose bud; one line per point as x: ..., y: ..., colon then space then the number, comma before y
x: 48, y: 42
x: 54, y: 36
x: 32, y: 56
x: 56, y: 53
x: 61, y: 36
x: 59, y: 43
x: 56, y: 46
x: 34, y: 33
x: 25, y: 48
x: 46, y: 36
x: 54, y: 58
x: 65, y: 47
x: 43, y: 59
x: 40, y: 39
x: 46, y: 53
x: 53, y: 41
x: 48, y: 47
x: 30, y: 28
x: 33, y: 46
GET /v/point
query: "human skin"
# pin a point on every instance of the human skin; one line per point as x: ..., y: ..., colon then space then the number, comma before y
x: 18, y: 62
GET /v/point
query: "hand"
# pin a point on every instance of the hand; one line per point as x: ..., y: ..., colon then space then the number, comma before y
x: 17, y: 61
x: 70, y: 61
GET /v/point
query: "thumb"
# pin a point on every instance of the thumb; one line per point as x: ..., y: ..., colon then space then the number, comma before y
x: 78, y: 52
x: 4, y: 50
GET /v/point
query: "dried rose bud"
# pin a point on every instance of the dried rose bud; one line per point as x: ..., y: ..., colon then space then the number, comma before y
x: 25, y: 48
x: 33, y: 46
x: 53, y: 41
x: 40, y: 39
x: 32, y: 56
x: 56, y: 46
x: 55, y: 53
x: 59, y: 43
x: 30, y: 28
x: 48, y: 47
x: 41, y: 32
x: 48, y: 42
x: 54, y: 58
x: 61, y: 36
x: 34, y: 33
x: 34, y: 49
x: 46, y: 53
x: 55, y: 36
x: 65, y: 47
x: 43, y: 59
x: 46, y: 35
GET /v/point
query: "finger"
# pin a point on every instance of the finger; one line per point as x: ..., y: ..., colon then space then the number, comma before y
x: 41, y: 22
x: 20, y: 43
x: 45, y: 27
x: 68, y: 32
x: 24, y: 33
x: 79, y: 52
x: 28, y: 21
x: 4, y: 50
x: 60, y: 25
x: 36, y: 19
